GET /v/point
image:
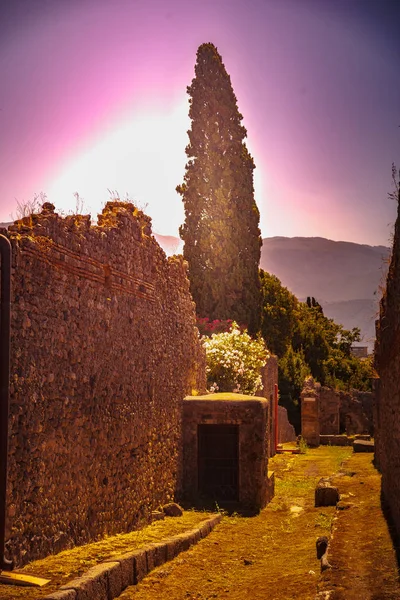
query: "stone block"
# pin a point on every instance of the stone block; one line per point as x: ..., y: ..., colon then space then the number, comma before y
x: 62, y: 595
x: 321, y: 546
x: 126, y: 562
x: 363, y: 446
x: 270, y: 485
x: 204, y: 528
x: 172, y: 510
x: 156, y: 555
x: 139, y: 565
x: 325, y: 493
x: 334, y: 440
x: 157, y: 515
x: 215, y: 520
x: 182, y: 542
x: 170, y: 549
x: 114, y: 575
x: 89, y: 587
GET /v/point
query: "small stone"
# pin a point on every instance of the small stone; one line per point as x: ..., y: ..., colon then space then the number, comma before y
x: 343, y: 506
x: 325, y: 493
x: 247, y: 561
x: 157, y: 515
x: 325, y: 563
x: 322, y: 545
x: 48, y: 207
x: 172, y: 510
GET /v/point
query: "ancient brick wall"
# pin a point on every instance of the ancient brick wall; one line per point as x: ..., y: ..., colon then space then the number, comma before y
x: 334, y: 412
x: 104, y: 349
x: 269, y: 375
x: 329, y: 411
x: 387, y: 363
x: 356, y: 410
x: 286, y: 432
x: 310, y: 412
x: 250, y: 415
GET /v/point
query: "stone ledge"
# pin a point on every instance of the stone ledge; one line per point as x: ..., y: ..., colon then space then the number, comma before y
x: 363, y: 446
x: 62, y: 595
x: 107, y: 580
x: 335, y: 440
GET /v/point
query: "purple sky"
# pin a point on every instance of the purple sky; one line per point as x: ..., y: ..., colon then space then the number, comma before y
x: 93, y: 96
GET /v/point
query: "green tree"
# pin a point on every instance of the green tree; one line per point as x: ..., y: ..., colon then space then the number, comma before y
x: 292, y: 371
x: 307, y: 342
x: 278, y: 314
x: 326, y: 346
x: 222, y: 239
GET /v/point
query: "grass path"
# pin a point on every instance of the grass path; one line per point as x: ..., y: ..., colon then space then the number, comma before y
x: 269, y: 556
x: 361, y: 551
x: 69, y: 564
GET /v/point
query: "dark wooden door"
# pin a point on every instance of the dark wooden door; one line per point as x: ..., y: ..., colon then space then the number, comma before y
x: 218, y: 462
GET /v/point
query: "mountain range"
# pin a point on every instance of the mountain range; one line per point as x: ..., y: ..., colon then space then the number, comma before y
x: 344, y: 277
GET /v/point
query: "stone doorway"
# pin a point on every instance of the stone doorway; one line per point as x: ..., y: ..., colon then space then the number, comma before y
x: 218, y: 462
x: 225, y: 452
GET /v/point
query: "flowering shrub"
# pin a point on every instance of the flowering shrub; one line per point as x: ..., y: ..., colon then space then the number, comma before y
x: 234, y: 361
x: 207, y: 327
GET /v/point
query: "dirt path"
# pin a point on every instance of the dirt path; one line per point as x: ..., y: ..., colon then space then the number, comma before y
x: 269, y: 556
x: 361, y: 550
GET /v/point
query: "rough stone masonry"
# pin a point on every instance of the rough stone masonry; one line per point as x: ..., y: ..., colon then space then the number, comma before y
x: 387, y: 362
x: 104, y: 349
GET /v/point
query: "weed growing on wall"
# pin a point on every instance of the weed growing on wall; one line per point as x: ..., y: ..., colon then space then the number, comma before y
x: 234, y: 361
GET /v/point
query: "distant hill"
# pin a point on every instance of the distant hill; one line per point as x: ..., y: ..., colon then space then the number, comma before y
x: 344, y: 277
x: 328, y: 270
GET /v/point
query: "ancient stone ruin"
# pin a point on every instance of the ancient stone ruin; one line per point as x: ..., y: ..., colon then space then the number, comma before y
x: 225, y: 451
x: 387, y: 363
x: 104, y: 349
x: 326, y: 413
x: 286, y: 432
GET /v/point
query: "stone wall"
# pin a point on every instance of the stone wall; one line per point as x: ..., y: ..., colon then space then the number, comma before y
x: 329, y: 411
x: 310, y: 412
x: 104, y: 349
x: 269, y: 377
x: 286, y: 432
x: 356, y: 412
x: 387, y: 363
x: 334, y: 412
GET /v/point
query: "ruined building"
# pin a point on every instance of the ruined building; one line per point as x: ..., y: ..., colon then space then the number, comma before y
x: 387, y: 363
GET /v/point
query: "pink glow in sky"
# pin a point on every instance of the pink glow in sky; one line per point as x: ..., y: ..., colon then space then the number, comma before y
x: 93, y: 97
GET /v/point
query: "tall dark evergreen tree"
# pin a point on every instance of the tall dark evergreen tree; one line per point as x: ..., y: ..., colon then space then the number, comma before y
x: 222, y: 239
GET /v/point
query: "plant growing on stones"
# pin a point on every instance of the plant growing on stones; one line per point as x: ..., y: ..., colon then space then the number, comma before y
x: 234, y: 361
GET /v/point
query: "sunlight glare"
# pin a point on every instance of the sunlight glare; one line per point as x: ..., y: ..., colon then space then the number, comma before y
x: 142, y: 158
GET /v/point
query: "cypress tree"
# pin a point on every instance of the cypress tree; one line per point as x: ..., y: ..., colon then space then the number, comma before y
x: 222, y: 239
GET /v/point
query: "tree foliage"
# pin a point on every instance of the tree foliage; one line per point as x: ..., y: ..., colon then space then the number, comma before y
x: 308, y: 343
x: 278, y: 313
x: 222, y: 239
